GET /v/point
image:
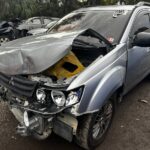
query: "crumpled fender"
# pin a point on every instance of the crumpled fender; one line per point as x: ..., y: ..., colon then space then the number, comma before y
x: 106, y: 87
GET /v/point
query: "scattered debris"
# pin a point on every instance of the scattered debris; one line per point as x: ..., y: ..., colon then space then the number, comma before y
x: 143, y: 101
x: 13, y: 137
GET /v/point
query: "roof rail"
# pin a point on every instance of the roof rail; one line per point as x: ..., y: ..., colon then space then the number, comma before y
x: 143, y: 4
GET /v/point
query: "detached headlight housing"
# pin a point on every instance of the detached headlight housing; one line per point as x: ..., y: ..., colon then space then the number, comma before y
x: 63, y: 99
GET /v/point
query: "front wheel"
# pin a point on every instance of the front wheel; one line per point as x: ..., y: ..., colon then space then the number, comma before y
x: 93, y: 128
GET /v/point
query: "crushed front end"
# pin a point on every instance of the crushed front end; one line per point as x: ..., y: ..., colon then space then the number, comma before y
x: 40, y: 105
x: 36, y: 89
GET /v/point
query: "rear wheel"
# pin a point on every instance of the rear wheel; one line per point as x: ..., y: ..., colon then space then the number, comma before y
x: 93, y: 128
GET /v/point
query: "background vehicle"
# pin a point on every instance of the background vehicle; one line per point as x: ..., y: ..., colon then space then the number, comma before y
x: 41, y: 30
x: 70, y: 80
x: 33, y: 23
x: 6, y: 31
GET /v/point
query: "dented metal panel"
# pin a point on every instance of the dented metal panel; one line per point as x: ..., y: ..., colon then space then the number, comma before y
x: 35, y: 54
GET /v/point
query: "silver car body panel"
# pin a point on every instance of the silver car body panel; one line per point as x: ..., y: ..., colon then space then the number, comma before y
x: 138, y: 57
x: 110, y: 73
x: 101, y: 79
x: 35, y: 54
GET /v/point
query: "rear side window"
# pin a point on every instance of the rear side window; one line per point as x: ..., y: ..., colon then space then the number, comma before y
x: 141, y: 23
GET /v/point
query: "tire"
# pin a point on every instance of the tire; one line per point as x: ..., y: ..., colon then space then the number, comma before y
x: 88, y: 136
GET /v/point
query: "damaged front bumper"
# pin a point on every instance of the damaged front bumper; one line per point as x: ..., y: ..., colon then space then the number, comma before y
x: 41, y: 128
x: 40, y: 109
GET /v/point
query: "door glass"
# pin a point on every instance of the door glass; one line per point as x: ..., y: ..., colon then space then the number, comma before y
x: 142, y: 23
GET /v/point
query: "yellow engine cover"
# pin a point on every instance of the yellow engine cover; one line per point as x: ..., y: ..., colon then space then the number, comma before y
x: 66, y: 67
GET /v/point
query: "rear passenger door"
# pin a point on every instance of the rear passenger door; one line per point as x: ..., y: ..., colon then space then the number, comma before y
x: 138, y: 65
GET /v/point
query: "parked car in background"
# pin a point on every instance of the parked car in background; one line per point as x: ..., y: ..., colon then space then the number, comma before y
x: 7, y: 32
x: 41, y: 30
x: 33, y: 23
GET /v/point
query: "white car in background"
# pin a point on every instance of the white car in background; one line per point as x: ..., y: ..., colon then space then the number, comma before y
x: 41, y: 30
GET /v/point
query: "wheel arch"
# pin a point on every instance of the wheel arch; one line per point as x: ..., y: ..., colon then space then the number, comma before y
x: 111, y: 84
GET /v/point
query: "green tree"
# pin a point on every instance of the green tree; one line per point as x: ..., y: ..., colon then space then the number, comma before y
x: 55, y: 8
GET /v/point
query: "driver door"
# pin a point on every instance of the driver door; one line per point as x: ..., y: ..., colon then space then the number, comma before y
x: 138, y: 65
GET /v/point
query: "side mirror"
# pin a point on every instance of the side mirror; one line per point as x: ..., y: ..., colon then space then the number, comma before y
x: 142, y: 39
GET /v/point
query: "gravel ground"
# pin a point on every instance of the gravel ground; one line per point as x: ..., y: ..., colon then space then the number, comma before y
x: 130, y: 129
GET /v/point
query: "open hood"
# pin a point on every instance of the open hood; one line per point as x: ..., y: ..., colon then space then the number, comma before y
x: 32, y: 55
x: 35, y: 54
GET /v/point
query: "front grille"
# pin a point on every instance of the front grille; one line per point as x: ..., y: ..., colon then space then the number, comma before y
x: 18, y: 85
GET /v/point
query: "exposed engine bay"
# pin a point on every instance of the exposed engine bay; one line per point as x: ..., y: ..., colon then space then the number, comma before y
x: 41, y: 102
x: 86, y: 48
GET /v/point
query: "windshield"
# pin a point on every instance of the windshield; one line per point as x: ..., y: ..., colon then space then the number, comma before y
x: 109, y: 24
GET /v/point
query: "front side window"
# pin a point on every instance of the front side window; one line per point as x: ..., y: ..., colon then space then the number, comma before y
x: 141, y: 23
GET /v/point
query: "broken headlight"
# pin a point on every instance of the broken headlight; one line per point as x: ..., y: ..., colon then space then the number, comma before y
x: 41, y: 95
x: 60, y: 98
x: 72, y: 98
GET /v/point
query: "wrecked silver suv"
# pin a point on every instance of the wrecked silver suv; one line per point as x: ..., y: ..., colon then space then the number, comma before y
x: 69, y: 80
